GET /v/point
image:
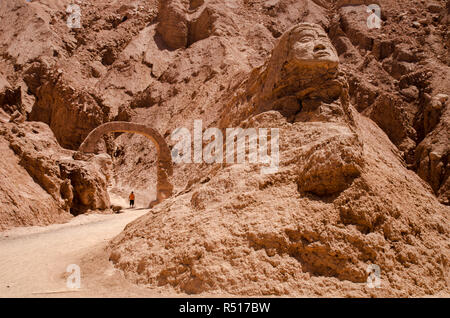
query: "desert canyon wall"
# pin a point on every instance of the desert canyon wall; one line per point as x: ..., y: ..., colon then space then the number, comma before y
x: 363, y: 117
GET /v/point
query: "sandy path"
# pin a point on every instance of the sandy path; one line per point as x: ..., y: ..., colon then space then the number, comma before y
x: 33, y: 261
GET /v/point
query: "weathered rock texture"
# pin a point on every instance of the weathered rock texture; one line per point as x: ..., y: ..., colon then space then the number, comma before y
x: 396, y: 73
x: 42, y: 183
x: 336, y: 205
x: 364, y: 144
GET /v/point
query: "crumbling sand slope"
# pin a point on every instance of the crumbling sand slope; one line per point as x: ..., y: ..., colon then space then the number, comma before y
x: 246, y: 234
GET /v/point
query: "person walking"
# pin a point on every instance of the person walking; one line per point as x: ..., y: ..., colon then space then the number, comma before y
x: 132, y: 197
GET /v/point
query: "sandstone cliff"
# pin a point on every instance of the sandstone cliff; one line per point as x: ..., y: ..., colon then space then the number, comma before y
x: 364, y: 138
x: 42, y: 183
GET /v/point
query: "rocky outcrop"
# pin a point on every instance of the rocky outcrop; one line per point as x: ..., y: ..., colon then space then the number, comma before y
x: 432, y: 154
x: 400, y: 98
x: 342, y: 199
x: 389, y: 113
x: 10, y: 99
x: 70, y: 112
x: 330, y: 166
x: 22, y: 201
x: 183, y: 22
x: 67, y: 186
x: 173, y: 23
x: 434, y: 108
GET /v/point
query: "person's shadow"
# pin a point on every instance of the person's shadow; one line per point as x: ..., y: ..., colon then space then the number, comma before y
x: 134, y: 209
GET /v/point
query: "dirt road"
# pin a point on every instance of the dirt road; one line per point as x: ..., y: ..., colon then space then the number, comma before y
x: 33, y: 260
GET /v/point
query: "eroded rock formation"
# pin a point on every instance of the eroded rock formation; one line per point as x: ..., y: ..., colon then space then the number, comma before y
x: 181, y: 23
x: 51, y: 185
x: 342, y: 199
x: 347, y: 192
x: 165, y: 168
x: 302, y: 82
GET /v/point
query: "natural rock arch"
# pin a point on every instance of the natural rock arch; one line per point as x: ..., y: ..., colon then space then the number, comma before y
x: 164, y: 188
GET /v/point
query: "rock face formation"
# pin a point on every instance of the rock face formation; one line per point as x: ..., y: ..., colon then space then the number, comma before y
x: 363, y: 117
x: 334, y: 207
x: 165, y: 168
x: 300, y: 80
x: 302, y: 69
